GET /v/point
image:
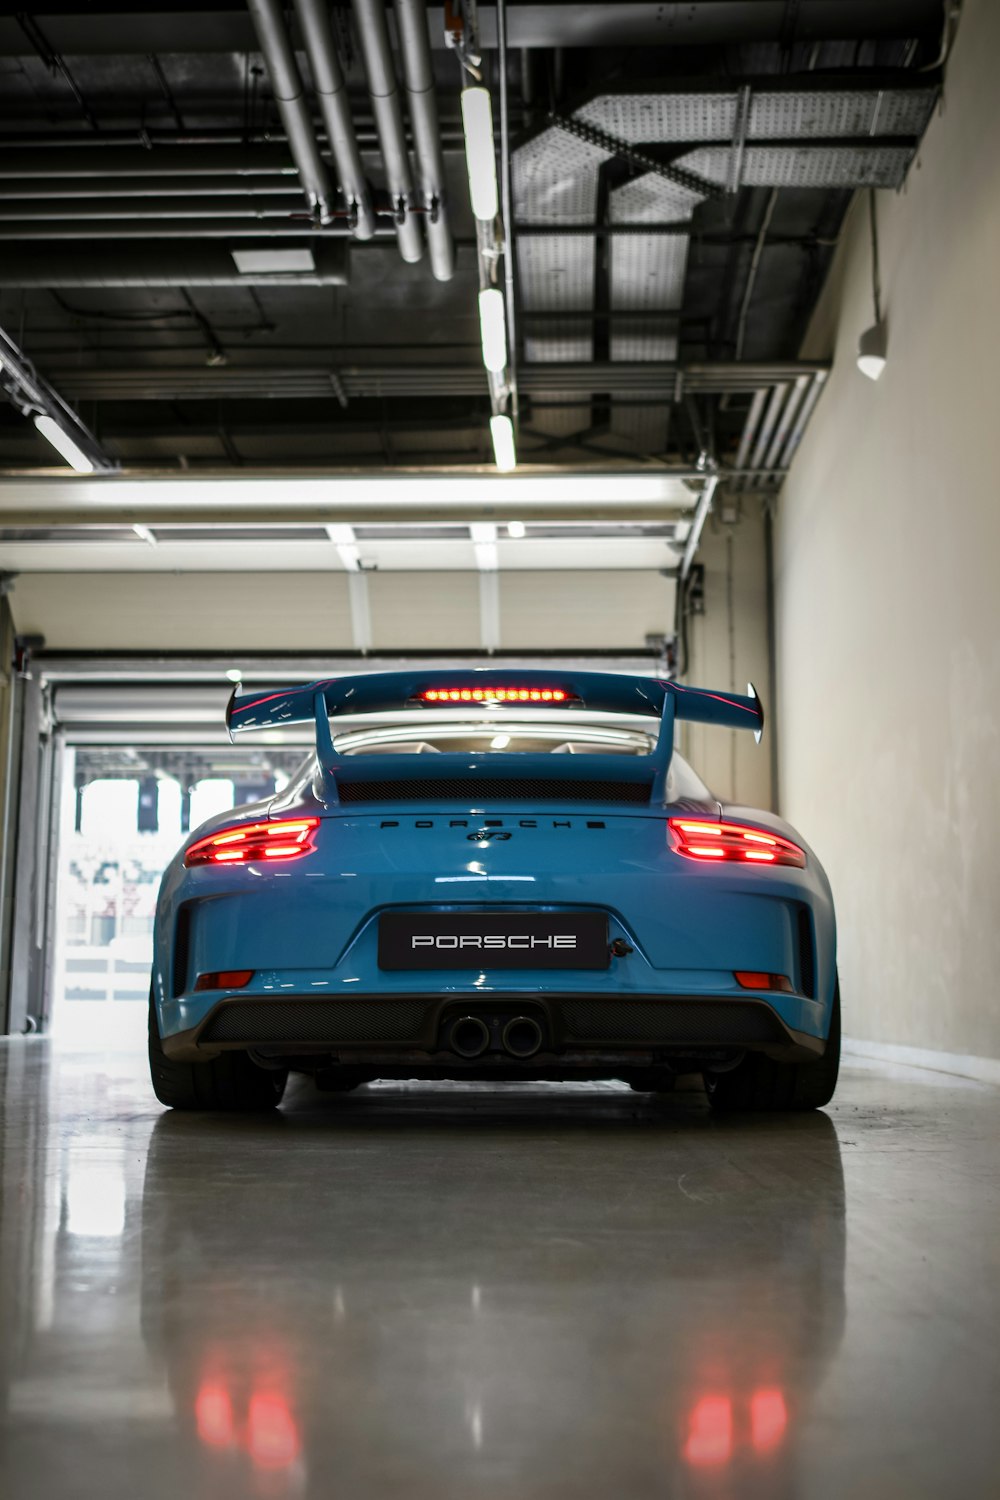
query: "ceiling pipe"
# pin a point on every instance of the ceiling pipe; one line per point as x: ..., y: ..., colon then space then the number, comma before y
x: 167, y: 228
x: 54, y: 193
x: 335, y: 107
x: 418, y: 72
x: 373, y: 35
x: 257, y: 161
x: 197, y: 206
x: 289, y: 95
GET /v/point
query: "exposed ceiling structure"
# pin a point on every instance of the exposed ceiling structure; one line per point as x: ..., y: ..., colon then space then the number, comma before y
x: 240, y: 236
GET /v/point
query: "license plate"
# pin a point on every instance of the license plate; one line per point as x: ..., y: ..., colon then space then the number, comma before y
x: 491, y: 940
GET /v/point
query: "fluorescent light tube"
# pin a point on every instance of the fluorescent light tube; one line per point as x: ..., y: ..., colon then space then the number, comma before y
x: 502, y: 433
x: 63, y: 444
x: 480, y: 152
x: 493, y: 329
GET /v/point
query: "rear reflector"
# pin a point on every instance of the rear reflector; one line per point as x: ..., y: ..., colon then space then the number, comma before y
x: 254, y: 841
x: 225, y: 979
x: 735, y: 842
x: 451, y: 695
x: 750, y: 979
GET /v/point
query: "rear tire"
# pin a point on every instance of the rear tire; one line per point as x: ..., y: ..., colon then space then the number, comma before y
x: 228, y: 1082
x: 759, y: 1083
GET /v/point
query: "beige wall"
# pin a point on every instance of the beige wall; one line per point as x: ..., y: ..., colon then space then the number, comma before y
x: 888, y: 591
x: 310, y: 611
x: 728, y: 648
x: 185, y: 611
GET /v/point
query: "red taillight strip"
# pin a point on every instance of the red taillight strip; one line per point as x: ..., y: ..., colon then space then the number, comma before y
x: 732, y: 842
x: 246, y: 842
x: 496, y: 695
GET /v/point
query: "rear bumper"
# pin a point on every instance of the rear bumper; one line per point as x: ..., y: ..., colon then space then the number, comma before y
x: 579, y: 1030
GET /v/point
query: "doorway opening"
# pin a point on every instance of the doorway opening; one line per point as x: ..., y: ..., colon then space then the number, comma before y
x: 123, y: 813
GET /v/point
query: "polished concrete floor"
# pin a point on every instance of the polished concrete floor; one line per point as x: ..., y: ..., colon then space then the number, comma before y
x: 459, y: 1293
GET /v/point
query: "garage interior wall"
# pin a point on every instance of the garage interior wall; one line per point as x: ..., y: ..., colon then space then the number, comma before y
x: 728, y: 647
x: 887, y: 563
x: 311, y: 611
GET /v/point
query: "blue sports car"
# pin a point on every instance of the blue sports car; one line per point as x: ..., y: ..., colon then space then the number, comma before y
x: 492, y: 875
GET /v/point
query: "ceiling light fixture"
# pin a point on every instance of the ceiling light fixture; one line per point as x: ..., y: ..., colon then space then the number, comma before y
x: 502, y: 433
x: 493, y: 329
x: 480, y: 152
x: 874, y: 342
x: 63, y: 443
x: 872, y: 347
x: 515, y: 530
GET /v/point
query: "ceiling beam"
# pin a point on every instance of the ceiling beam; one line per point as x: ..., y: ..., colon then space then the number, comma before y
x: 652, y: 379
x: 116, y: 30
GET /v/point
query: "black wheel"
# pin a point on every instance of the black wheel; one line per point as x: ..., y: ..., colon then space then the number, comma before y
x: 760, y: 1083
x: 230, y: 1081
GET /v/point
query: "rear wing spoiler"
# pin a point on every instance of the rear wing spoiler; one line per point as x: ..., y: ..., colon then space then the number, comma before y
x: 493, y: 687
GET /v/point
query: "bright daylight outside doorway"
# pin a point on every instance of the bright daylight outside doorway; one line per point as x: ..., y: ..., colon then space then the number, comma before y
x: 123, y: 814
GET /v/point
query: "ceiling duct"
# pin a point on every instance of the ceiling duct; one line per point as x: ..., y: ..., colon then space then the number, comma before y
x: 373, y: 36
x: 824, y: 136
x: 331, y: 91
x: 289, y: 96
x: 418, y: 72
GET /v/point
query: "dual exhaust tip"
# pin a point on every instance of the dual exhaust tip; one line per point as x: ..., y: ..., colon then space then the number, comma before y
x: 521, y: 1037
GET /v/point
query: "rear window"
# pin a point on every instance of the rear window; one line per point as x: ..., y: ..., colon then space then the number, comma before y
x: 513, y: 738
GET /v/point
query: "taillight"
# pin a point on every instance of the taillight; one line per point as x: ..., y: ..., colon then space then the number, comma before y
x: 734, y: 842
x: 451, y: 695
x: 224, y: 979
x: 245, y: 842
x: 751, y: 979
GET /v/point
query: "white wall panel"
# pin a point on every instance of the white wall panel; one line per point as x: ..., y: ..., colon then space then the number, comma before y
x: 887, y: 569
x: 185, y: 611
x: 728, y: 649
x: 585, y: 610
x: 414, y: 611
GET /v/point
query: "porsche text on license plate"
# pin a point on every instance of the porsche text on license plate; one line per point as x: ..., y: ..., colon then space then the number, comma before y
x: 526, y: 940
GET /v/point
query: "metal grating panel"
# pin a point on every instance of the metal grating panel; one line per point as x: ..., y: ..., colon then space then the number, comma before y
x: 662, y: 117
x: 848, y: 112
x: 774, y: 114
x: 256, y: 1021
x: 806, y: 166
x: 647, y: 274
x: 688, y: 1022
x: 554, y: 179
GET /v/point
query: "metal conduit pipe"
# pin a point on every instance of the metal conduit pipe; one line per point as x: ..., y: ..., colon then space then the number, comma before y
x: 270, y: 205
x: 748, y: 433
x: 141, y: 229
x: 787, y: 418
x: 373, y: 35
x: 289, y: 95
x: 795, y: 436
x: 54, y: 193
x: 335, y: 107
x: 767, y: 426
x: 418, y: 73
